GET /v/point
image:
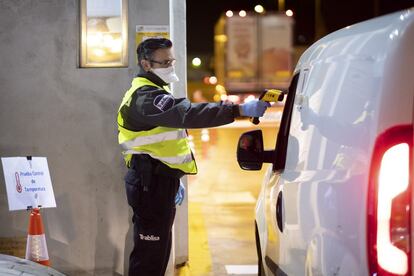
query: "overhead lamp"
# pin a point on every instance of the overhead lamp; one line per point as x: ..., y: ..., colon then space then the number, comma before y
x: 196, y: 62
x: 259, y: 9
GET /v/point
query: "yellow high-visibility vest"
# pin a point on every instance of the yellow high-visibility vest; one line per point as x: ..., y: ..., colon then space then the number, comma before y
x: 169, y: 145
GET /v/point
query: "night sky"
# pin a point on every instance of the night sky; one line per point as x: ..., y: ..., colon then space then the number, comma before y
x: 202, y: 16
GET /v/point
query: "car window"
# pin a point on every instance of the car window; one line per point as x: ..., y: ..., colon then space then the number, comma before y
x: 283, y: 134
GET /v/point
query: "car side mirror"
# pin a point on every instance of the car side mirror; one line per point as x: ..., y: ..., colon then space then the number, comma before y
x: 250, y: 150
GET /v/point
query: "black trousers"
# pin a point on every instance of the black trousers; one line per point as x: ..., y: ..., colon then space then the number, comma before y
x: 151, y: 194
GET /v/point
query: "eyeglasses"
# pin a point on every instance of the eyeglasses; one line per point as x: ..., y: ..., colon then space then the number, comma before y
x: 168, y: 62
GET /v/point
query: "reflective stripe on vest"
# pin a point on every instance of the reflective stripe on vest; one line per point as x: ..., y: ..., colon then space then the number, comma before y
x: 169, y: 145
x: 172, y: 160
x: 156, y: 138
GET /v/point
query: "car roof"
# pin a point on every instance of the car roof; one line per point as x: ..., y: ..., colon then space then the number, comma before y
x: 373, y: 39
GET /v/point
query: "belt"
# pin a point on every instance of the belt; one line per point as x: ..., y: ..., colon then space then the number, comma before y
x: 145, y: 163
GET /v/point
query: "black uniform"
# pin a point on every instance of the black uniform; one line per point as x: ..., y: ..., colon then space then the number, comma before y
x: 151, y: 185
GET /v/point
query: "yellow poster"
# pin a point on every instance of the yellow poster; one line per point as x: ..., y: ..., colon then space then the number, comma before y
x: 143, y: 32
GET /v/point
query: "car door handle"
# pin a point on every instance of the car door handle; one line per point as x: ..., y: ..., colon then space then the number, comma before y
x: 301, y: 101
x: 279, y: 212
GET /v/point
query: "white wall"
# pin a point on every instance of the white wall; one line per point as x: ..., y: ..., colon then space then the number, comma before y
x: 50, y: 107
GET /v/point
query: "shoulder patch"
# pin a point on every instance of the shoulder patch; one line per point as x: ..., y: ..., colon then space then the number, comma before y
x: 164, y: 102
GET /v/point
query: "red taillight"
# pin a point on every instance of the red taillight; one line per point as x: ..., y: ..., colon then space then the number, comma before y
x: 389, y: 203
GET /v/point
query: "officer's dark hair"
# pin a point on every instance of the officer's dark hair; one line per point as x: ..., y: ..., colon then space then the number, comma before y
x: 146, y: 48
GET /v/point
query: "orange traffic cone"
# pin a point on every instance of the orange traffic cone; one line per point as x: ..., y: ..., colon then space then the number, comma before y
x: 36, y: 248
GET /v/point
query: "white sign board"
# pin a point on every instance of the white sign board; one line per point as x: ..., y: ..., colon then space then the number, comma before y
x: 28, y: 183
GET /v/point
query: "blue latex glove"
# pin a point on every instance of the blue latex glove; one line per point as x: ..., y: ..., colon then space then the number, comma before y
x: 254, y: 108
x: 179, y: 197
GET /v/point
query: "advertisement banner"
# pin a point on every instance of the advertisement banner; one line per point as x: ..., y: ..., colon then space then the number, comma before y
x: 28, y: 183
x: 241, y: 52
x: 276, y: 51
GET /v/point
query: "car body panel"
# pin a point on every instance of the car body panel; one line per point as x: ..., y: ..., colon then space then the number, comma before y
x: 353, y: 85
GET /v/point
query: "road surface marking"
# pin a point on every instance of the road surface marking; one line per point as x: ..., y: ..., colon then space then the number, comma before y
x: 241, y: 269
x: 199, y: 253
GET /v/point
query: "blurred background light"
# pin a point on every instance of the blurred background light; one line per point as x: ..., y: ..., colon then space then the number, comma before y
x: 220, y: 89
x: 196, y: 62
x: 212, y: 80
x: 205, y: 136
x: 259, y: 9
x: 249, y: 98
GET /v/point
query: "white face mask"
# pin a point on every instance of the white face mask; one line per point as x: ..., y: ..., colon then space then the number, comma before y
x: 168, y: 74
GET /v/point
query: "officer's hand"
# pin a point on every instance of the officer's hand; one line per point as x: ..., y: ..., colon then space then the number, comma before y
x: 254, y: 108
x: 179, y: 197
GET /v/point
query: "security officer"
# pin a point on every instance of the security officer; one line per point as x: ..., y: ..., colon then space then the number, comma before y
x: 151, y: 124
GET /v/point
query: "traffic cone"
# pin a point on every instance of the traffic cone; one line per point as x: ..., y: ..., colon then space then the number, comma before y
x: 36, y: 248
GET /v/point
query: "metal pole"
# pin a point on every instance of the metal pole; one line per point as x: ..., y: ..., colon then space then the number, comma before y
x: 179, y: 89
x: 281, y: 5
x: 320, y: 29
x: 376, y: 7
